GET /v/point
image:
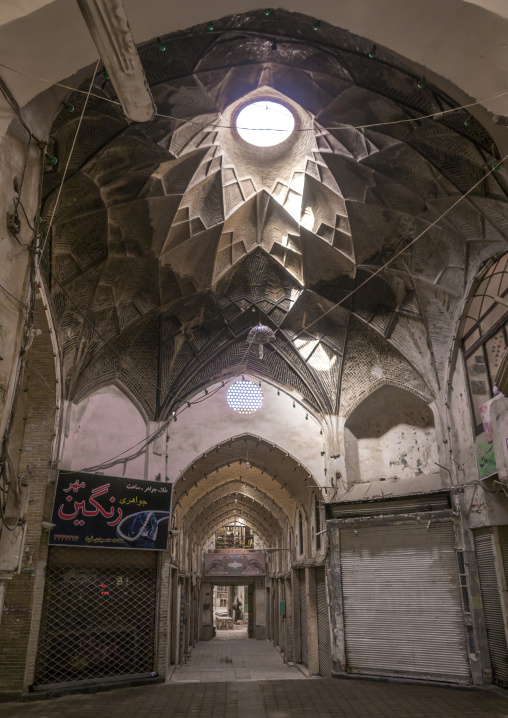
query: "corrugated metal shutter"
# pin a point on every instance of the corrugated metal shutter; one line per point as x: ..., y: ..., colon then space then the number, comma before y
x: 325, y: 653
x: 402, y: 603
x: 303, y: 619
x: 503, y: 542
x: 98, y: 618
x: 492, y: 606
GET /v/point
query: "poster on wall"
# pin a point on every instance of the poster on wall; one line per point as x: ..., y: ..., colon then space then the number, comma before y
x: 485, y: 457
x: 110, y: 512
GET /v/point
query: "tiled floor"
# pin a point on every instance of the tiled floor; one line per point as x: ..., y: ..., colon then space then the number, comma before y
x: 225, y: 659
x: 320, y: 698
x: 220, y: 690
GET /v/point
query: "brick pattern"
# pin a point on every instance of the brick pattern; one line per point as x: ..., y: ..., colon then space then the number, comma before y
x: 366, y: 351
x: 311, y: 698
x: 217, y: 213
x: 312, y: 626
x: 18, y: 639
x: 164, y: 613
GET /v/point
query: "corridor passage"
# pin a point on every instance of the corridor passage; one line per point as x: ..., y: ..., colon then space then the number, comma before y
x: 231, y: 656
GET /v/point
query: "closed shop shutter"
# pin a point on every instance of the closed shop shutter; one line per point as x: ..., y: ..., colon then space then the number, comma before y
x: 325, y: 654
x: 303, y: 619
x: 289, y: 621
x: 98, y: 617
x: 402, y: 604
x: 491, y: 600
x: 503, y: 542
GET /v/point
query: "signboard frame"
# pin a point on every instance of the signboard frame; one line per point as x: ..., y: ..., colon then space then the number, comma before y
x: 99, y: 511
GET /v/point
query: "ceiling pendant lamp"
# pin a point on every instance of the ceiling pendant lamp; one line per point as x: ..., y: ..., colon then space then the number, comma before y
x: 260, y: 335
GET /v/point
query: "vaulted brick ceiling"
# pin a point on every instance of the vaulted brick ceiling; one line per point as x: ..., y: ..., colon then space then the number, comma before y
x: 174, y: 238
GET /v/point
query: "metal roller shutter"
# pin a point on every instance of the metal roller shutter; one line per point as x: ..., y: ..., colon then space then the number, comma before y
x: 402, y: 603
x: 492, y: 606
x: 303, y: 619
x: 503, y: 543
x: 325, y: 653
x: 98, y: 616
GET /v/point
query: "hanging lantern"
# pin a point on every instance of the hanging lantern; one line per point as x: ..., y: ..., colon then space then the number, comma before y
x: 260, y: 335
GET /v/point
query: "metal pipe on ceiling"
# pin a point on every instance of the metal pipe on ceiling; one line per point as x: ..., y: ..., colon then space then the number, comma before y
x: 111, y: 33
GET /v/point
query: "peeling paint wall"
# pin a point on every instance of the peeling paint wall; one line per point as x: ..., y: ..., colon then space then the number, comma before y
x: 391, y: 434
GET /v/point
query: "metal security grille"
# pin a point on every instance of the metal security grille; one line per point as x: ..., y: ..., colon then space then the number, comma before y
x: 325, y: 653
x: 403, y: 611
x: 98, y: 616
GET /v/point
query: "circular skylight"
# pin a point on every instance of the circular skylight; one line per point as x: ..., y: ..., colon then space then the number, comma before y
x: 245, y: 397
x: 265, y: 123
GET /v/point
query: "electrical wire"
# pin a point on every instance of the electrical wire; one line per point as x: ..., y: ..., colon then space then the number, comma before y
x: 154, y: 435
x: 19, y: 203
x: 89, y: 94
x: 69, y: 157
x: 15, y: 107
x: 107, y: 343
x: 147, y: 441
x: 212, y: 126
x: 404, y: 249
x: 13, y: 297
x: 5, y: 459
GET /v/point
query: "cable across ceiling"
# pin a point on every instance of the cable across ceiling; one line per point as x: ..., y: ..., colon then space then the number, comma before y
x: 168, y: 241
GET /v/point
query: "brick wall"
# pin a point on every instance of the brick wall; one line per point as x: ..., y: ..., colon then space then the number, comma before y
x: 24, y: 591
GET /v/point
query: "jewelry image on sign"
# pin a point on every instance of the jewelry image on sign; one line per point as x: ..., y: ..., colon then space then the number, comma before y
x: 110, y: 512
x: 140, y: 530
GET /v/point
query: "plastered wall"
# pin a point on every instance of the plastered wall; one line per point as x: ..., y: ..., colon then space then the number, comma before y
x: 101, y: 426
x: 391, y: 434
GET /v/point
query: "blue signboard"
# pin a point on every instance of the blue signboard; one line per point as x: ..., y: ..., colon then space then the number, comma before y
x: 110, y: 512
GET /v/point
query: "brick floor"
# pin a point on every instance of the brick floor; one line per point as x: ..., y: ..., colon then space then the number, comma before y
x: 237, y: 697
x: 319, y: 698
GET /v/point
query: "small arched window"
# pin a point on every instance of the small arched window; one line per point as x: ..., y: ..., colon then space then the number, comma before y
x: 300, y: 532
x: 485, y: 335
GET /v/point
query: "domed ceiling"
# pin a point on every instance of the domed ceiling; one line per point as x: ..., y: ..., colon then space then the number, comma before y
x: 172, y: 239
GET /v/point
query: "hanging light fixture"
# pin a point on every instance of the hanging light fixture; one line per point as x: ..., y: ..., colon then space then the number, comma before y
x: 260, y: 335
